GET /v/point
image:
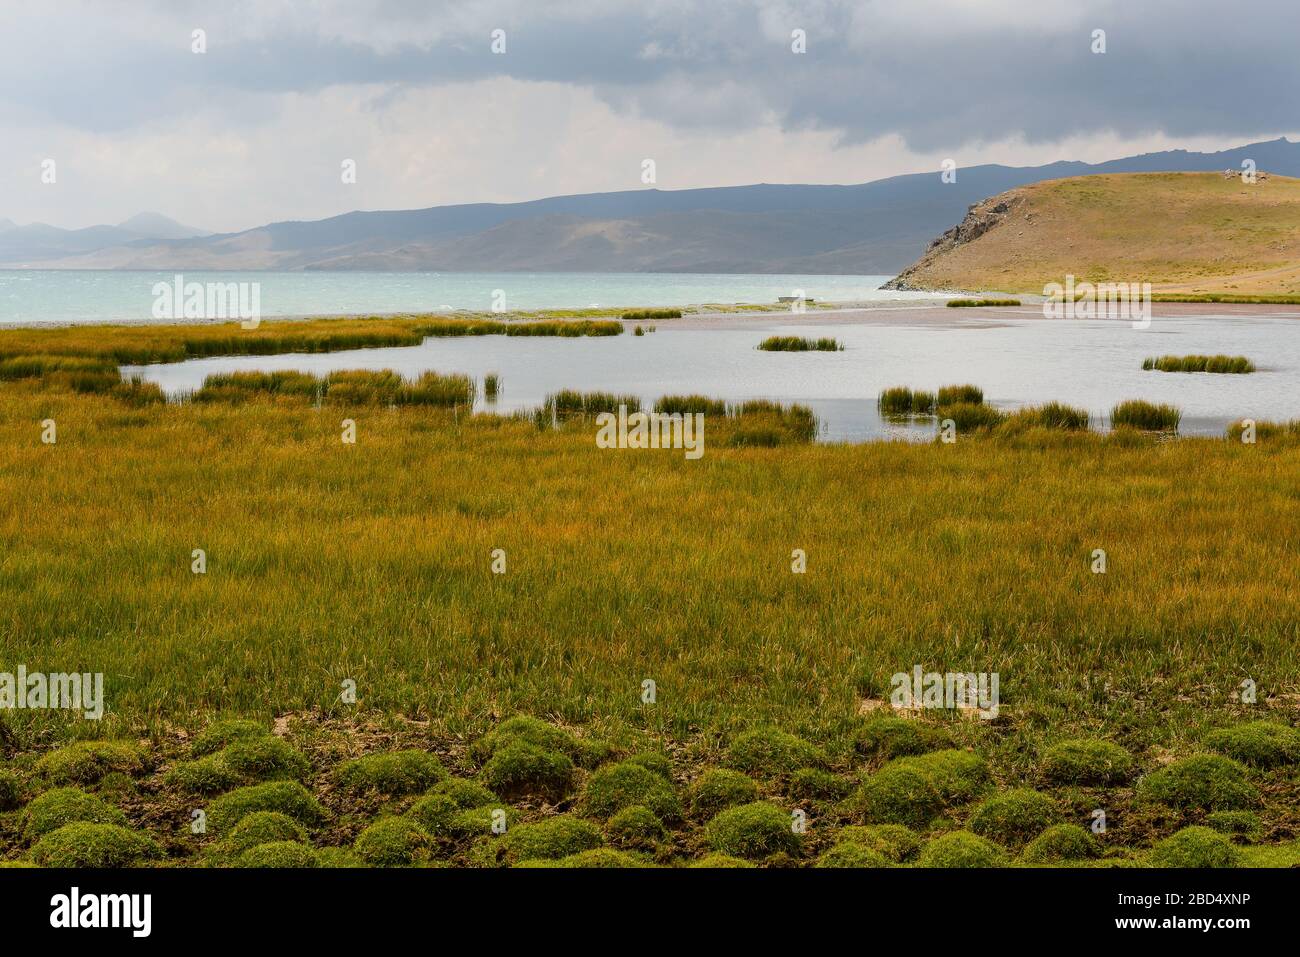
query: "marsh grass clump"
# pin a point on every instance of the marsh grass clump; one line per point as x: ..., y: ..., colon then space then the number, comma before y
x: 618, y: 786
x: 902, y: 401
x: 1014, y: 817
x: 635, y: 315
x: 392, y: 773
x: 636, y: 828
x: 890, y: 737
x: 718, y: 789
x: 752, y: 831
x: 288, y: 797
x: 85, y: 762
x: 262, y: 827
x: 969, y: 303
x: 392, y: 842
x: 85, y: 844
x: 1203, y: 782
x: 351, y: 387
x: 1145, y: 416
x: 1062, y: 842
x: 1050, y: 415
x: 1217, y: 364
x: 522, y: 770
x: 550, y: 839
x: 571, y: 404
x: 491, y: 386
x: 1264, y: 429
x: 1261, y: 744
x: 765, y: 424
x: 688, y: 404
x: 961, y: 849
x: 770, y: 751
x: 1087, y: 761
x: 1195, y: 847
x: 800, y: 344
x: 279, y: 854
x: 220, y: 733
x: 61, y: 806
x: 955, y: 394
x: 971, y: 416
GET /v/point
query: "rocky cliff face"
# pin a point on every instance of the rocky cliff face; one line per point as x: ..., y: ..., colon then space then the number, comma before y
x: 979, y: 219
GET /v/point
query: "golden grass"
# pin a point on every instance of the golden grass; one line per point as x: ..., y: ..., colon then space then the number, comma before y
x: 372, y: 562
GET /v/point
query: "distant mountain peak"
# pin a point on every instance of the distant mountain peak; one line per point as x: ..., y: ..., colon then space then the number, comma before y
x: 157, y: 226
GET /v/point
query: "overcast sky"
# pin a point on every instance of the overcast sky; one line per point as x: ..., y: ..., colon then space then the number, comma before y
x: 256, y: 129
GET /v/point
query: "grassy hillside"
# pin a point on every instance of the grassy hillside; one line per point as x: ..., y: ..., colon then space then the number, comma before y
x: 1182, y: 232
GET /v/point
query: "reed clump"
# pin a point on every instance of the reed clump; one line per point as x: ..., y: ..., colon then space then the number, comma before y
x: 1145, y: 416
x: 635, y: 315
x: 1238, y: 365
x: 800, y: 344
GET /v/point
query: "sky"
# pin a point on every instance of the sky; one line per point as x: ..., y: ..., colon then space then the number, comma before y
x: 577, y: 95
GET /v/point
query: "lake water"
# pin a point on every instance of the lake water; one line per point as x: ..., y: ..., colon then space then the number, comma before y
x: 36, y: 297
x: 1016, y: 356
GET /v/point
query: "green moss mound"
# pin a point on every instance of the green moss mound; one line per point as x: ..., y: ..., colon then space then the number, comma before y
x: 264, y: 759
x: 1062, y: 842
x: 262, y: 827
x: 1261, y: 744
x: 1272, y: 855
x: 852, y: 854
x: 547, y: 737
x: 898, y: 795
x: 392, y: 773
x: 288, y: 797
x: 85, y: 844
x: 770, y: 751
x: 618, y: 786
x: 636, y: 828
x: 221, y: 733
x: 85, y: 762
x: 11, y: 790
x: 465, y: 794
x: 891, y: 737
x: 522, y: 770
x: 718, y: 789
x: 814, y: 784
x: 600, y: 857
x: 961, y: 849
x: 207, y: 775
x: 894, y: 842
x: 279, y: 854
x: 1243, y: 824
x: 1014, y: 817
x: 753, y: 831
x: 720, y: 861
x: 393, y: 842
x: 551, y: 839
x: 1203, y: 782
x: 957, y: 776
x: 337, y: 857
x: 653, y: 761
x: 1195, y: 847
x: 1088, y: 762
x: 62, y: 806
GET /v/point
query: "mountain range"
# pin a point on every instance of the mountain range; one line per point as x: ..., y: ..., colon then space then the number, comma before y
x: 874, y: 228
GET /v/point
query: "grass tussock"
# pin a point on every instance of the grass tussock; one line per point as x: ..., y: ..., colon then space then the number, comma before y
x: 640, y: 315
x: 952, y: 394
x: 800, y: 344
x: 1197, y: 363
x: 1145, y: 416
x: 971, y: 416
x: 1264, y: 430
x: 1050, y: 415
x: 969, y: 303
x: 1257, y: 300
x: 672, y: 404
x: 570, y: 403
x: 900, y: 400
x: 491, y: 386
x: 348, y: 387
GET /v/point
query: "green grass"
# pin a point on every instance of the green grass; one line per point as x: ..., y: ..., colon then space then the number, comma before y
x: 636, y: 315
x: 952, y: 394
x: 491, y: 386
x: 800, y: 344
x: 900, y: 400
x: 1287, y: 300
x: 684, y: 404
x: 968, y: 303
x: 1218, y: 364
x: 1145, y: 416
x: 345, y: 388
x: 1050, y: 415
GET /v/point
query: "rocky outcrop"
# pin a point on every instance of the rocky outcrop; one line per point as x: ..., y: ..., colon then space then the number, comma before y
x: 979, y: 219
